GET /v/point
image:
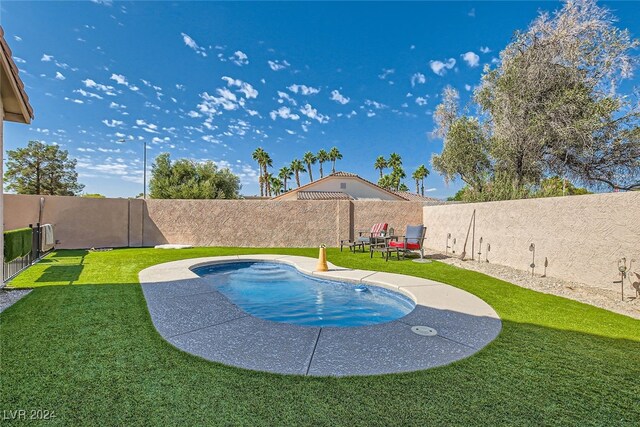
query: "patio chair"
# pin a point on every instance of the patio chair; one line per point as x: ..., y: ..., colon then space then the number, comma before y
x: 373, y: 236
x: 411, y: 241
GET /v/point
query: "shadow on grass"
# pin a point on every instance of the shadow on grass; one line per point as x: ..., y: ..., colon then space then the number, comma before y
x: 67, y: 269
x: 67, y: 274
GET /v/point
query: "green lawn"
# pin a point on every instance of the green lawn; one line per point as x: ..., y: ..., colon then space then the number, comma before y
x: 82, y: 344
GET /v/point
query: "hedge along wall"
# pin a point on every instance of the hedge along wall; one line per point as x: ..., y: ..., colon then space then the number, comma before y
x: 17, y: 243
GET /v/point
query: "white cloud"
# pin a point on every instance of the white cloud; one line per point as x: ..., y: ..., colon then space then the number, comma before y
x: 247, y: 90
x: 108, y: 90
x: 485, y: 49
x: 471, y: 58
x: 76, y: 101
x: 59, y: 76
x: 193, y: 45
x: 312, y: 113
x: 147, y: 127
x: 284, y: 113
x: 239, y: 58
x: 303, y: 89
x: 285, y: 96
x: 120, y: 79
x: 87, y: 94
x: 19, y: 60
x: 194, y: 114
x: 112, y: 123
x: 278, y: 65
x: 421, y: 101
x: 103, y: 2
x: 375, y: 104
x: 440, y: 68
x: 472, y: 12
x: 386, y: 72
x: 418, y: 78
x: 467, y: 87
x: 46, y: 58
x: 339, y: 98
x: 17, y: 38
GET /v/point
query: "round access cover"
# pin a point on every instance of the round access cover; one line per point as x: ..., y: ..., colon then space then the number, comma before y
x: 424, y: 330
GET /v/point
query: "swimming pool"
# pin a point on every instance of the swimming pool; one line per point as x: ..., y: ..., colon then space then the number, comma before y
x: 277, y: 292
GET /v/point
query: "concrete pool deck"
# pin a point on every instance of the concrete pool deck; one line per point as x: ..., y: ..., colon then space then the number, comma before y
x: 193, y: 316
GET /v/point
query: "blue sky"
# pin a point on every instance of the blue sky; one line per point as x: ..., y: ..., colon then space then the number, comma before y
x: 213, y: 81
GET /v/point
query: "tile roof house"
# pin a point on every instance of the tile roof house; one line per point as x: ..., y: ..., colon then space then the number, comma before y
x: 348, y: 186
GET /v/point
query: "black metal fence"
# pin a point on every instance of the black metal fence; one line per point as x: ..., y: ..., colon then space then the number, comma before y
x: 12, y: 268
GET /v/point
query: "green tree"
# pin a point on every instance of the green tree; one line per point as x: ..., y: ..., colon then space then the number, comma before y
x: 93, y: 196
x: 380, y: 164
x: 285, y: 174
x: 296, y: 167
x: 334, y: 154
x: 264, y: 161
x: 395, y: 161
x: 386, y: 182
x: 555, y: 186
x: 309, y: 159
x: 258, y: 156
x: 323, y: 157
x: 268, y: 179
x: 42, y: 169
x: 276, y: 185
x: 423, y: 173
x: 187, y: 179
x: 416, y: 176
x: 465, y: 153
x: 552, y: 106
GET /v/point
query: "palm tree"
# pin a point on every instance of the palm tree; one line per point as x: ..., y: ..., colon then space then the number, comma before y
x: 296, y: 167
x: 380, y: 164
x: 322, y: 157
x: 268, y: 177
x: 417, y: 176
x: 397, y: 175
x: 423, y: 172
x: 266, y: 163
x: 310, y: 159
x: 276, y: 185
x: 334, y: 154
x: 258, y: 155
x: 386, y: 182
x: 285, y: 174
x: 395, y: 161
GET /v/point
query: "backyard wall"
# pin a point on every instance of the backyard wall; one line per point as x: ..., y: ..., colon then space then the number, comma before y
x: 78, y: 222
x: 85, y: 222
x: 582, y: 237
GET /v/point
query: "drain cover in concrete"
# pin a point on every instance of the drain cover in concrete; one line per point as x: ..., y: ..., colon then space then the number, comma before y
x: 424, y: 330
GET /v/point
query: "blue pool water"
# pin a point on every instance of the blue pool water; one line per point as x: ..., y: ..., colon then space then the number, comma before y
x: 280, y: 293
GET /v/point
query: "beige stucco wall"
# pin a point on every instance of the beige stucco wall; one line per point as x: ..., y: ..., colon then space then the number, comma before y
x: 581, y: 236
x: 84, y: 222
x: 354, y: 187
x: 78, y: 222
x: 397, y: 214
x: 254, y: 223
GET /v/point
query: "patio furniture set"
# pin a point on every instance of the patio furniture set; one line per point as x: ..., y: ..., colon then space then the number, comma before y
x: 380, y: 238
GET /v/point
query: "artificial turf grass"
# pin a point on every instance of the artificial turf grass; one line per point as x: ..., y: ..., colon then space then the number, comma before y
x: 91, y: 353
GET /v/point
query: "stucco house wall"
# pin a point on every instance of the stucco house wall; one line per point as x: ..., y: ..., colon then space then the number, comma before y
x: 356, y: 188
